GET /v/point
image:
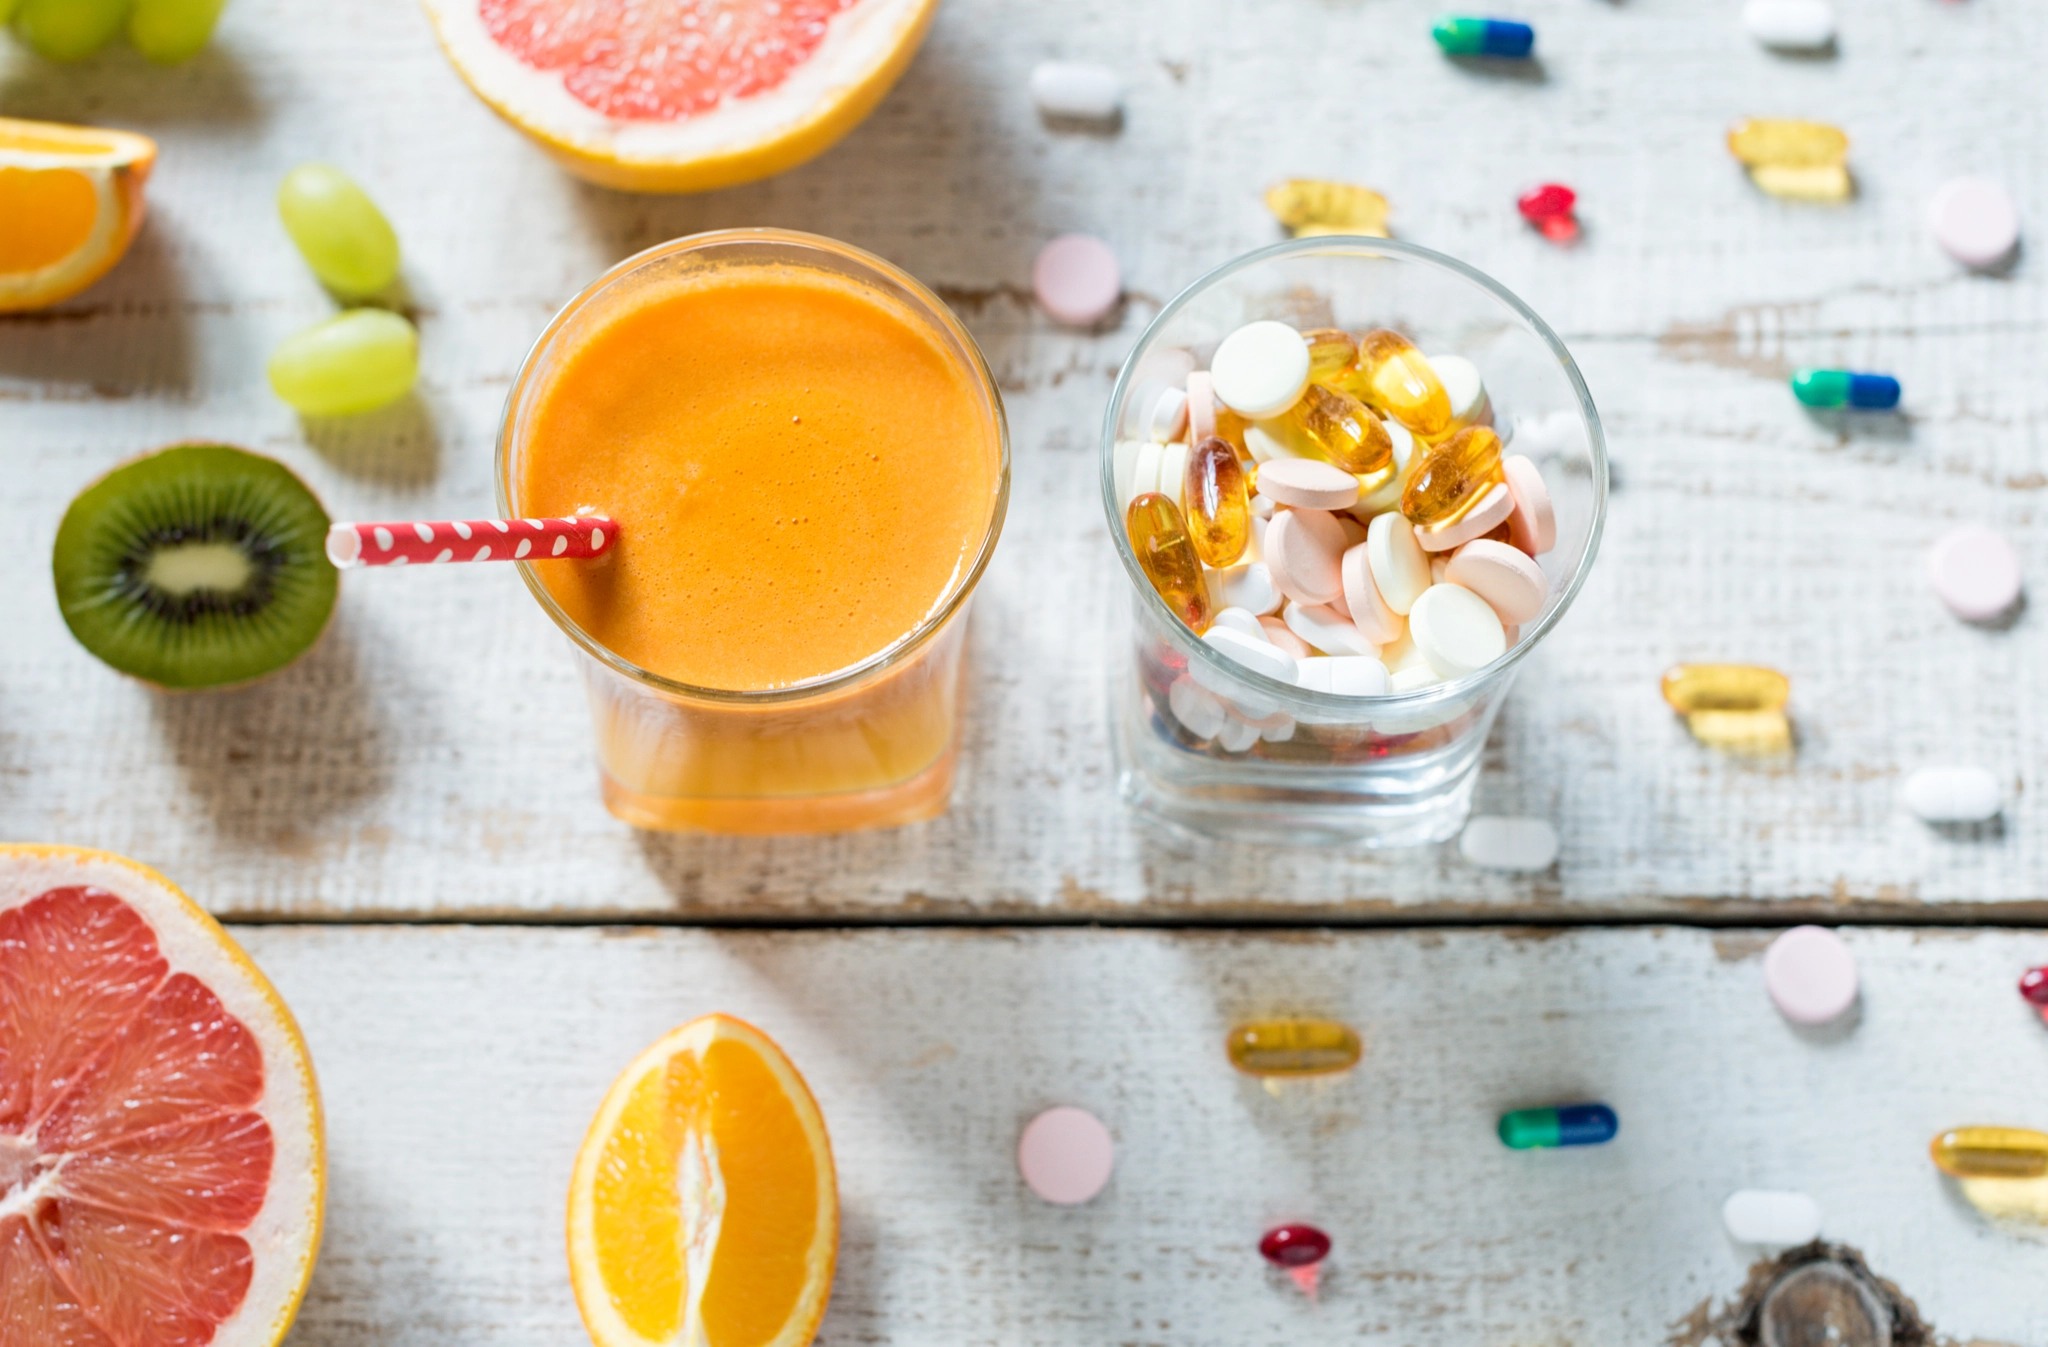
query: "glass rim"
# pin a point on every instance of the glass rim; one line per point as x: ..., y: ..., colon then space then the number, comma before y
x: 1357, y: 245
x: 889, y: 655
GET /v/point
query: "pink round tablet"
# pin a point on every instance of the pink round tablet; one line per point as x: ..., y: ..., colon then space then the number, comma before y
x: 1533, y: 524
x: 1976, y: 572
x: 1493, y: 508
x: 1065, y: 1155
x: 1309, y: 483
x: 1974, y: 221
x: 1304, y: 550
x: 1077, y: 279
x: 1810, y: 974
x: 1512, y: 585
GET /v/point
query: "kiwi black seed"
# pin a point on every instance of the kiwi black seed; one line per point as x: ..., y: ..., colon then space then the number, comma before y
x: 197, y: 566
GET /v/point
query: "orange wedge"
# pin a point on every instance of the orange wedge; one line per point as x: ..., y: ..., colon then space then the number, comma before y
x: 70, y: 203
x: 704, y: 1211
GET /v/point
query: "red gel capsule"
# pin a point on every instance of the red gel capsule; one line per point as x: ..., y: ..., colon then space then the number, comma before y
x: 2034, y: 985
x: 1551, y: 199
x: 1292, y: 1246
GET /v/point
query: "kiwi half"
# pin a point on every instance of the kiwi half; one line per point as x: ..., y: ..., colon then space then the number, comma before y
x: 197, y: 566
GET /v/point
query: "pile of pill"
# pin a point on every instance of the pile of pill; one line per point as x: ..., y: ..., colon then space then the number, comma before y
x: 1336, y: 513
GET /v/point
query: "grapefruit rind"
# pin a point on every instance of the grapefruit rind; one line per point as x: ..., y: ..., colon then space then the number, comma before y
x: 116, y: 163
x: 285, y: 1235
x: 866, y: 48
x: 607, y: 1327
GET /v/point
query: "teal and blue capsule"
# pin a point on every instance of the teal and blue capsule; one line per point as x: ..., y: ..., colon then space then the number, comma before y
x: 1842, y: 388
x: 1531, y: 1129
x: 1484, y: 37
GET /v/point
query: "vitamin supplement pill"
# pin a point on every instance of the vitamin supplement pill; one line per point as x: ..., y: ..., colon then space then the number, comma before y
x: 1264, y: 446
x: 1218, y: 500
x: 1490, y: 514
x: 1456, y: 631
x: 340, y: 232
x: 1805, y: 182
x: 1952, y: 795
x: 1533, y: 525
x: 1399, y: 565
x: 1305, y: 553
x: 1438, y: 564
x: 1810, y: 975
x: 1571, y: 1125
x: 1260, y: 369
x: 1402, y: 654
x: 1239, y: 620
x: 1392, y: 377
x: 1974, y: 221
x: 1346, y: 432
x: 1066, y: 1155
x: 1778, y: 1220
x: 1248, y: 586
x: 1414, y: 679
x: 1201, y: 407
x: 1293, y: 1047
x: 1453, y: 476
x: 1511, y: 584
x: 1842, y: 388
x: 1279, y: 633
x: 1497, y: 842
x: 1357, y: 676
x: 1308, y: 206
x: 1329, y: 350
x: 1307, y: 484
x: 1375, y: 621
x: 1145, y: 471
x: 1160, y: 540
x: 1791, y: 25
x: 1464, y: 387
x: 1991, y: 1153
x: 1326, y: 629
x: 1169, y: 416
x: 1195, y: 707
x: 1751, y: 733
x: 1124, y: 472
x: 1237, y: 734
x: 1484, y: 37
x: 2034, y: 986
x: 1541, y: 203
x: 1976, y: 572
x: 1293, y: 1246
x: 1077, y: 279
x: 354, y: 362
x: 1256, y: 653
x: 1725, y: 687
x: 1788, y: 144
x: 1076, y: 90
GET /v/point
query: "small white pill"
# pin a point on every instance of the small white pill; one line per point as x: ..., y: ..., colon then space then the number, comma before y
x: 1414, y: 678
x: 1953, y: 795
x: 1358, y: 676
x: 1145, y: 472
x: 1124, y: 459
x: 1276, y: 728
x: 1076, y: 89
x: 1239, y: 619
x: 1774, y: 1219
x: 1169, y: 415
x: 1326, y: 629
x: 1254, y: 652
x: 1313, y: 673
x: 1498, y: 842
x: 1399, y: 565
x: 1237, y: 734
x: 1457, y: 631
x: 1460, y: 378
x: 1790, y: 25
x: 1260, y: 369
x: 1248, y: 585
x: 1173, y: 472
x: 1195, y: 707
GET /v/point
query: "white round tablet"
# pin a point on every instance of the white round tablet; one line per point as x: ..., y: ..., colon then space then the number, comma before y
x: 1457, y: 631
x: 1261, y: 369
x: 1810, y: 975
x: 1066, y: 1155
x: 1974, y: 220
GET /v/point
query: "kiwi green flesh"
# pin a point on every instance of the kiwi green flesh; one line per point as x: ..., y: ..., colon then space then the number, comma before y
x: 198, y: 566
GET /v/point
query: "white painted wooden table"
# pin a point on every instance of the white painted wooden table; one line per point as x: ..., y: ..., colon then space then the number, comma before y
x: 430, y: 761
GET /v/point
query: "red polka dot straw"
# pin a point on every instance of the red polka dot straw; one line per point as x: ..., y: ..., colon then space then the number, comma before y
x: 408, y: 543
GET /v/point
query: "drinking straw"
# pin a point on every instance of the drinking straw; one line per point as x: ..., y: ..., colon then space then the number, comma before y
x: 408, y: 542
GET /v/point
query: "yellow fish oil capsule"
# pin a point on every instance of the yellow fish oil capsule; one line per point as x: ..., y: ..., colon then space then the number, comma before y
x: 1725, y: 687
x: 1452, y: 477
x: 1167, y: 555
x: 1777, y: 142
x: 1293, y: 1047
x: 1991, y: 1153
x: 1329, y: 351
x: 1805, y: 182
x: 1346, y: 431
x: 1392, y: 377
x: 1230, y: 428
x: 1307, y: 206
x: 1218, y: 500
x: 1752, y: 733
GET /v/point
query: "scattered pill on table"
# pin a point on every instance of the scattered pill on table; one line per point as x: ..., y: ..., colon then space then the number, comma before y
x: 1991, y: 1153
x: 1306, y: 207
x: 1077, y: 90
x: 1461, y: 36
x: 1779, y: 1220
x: 1798, y: 159
x: 1502, y: 842
x: 1260, y: 369
x: 1952, y: 795
x: 1791, y: 25
x: 1845, y: 388
x: 1975, y: 221
x: 1724, y: 687
x: 1569, y: 1125
x: 1552, y: 209
x: 1297, y: 1250
x: 1066, y: 1155
x: 1810, y: 975
x: 1976, y: 573
x: 1077, y: 279
x: 2034, y: 986
x: 1752, y: 734
x: 1294, y: 1047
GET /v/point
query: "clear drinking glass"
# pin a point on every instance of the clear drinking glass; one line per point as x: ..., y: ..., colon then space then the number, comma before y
x: 1396, y: 770
x: 867, y: 746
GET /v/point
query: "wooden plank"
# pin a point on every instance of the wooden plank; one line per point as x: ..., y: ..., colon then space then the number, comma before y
x: 432, y: 755
x: 460, y: 1068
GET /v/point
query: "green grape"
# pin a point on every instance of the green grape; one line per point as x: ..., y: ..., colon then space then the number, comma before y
x: 344, y: 237
x: 69, y: 30
x: 6, y: 10
x: 356, y: 362
x: 169, y: 31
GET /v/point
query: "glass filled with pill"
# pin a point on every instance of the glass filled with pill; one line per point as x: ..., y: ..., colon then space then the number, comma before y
x: 1353, y: 484
x: 808, y: 463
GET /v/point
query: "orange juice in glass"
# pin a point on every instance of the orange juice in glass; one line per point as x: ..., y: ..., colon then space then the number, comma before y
x: 808, y: 463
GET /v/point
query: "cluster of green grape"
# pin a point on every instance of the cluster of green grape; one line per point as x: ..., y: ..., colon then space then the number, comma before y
x: 71, y: 30
x: 365, y: 357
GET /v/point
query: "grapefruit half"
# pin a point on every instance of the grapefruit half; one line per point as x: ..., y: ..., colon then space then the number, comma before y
x: 162, y: 1171
x: 681, y: 95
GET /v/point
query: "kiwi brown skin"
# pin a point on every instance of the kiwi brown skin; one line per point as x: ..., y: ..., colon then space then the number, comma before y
x: 282, y: 534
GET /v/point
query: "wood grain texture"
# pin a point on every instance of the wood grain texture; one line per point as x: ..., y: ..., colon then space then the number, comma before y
x: 431, y: 757
x: 461, y: 1066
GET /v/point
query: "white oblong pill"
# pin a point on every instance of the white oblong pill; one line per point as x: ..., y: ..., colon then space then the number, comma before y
x: 1237, y: 734
x: 1414, y: 678
x: 1777, y: 1219
x: 1173, y: 474
x: 1124, y: 461
x: 1457, y: 631
x: 1313, y: 673
x: 1953, y: 795
x: 1076, y: 89
x: 1195, y: 707
x: 1145, y: 473
x: 1169, y: 415
x: 1326, y: 629
x: 1399, y: 565
x: 1460, y: 378
x: 1254, y: 652
x: 1790, y: 25
x: 1358, y: 676
x: 1308, y: 484
x: 1500, y: 842
x: 1503, y: 576
x: 1239, y: 620
x: 1261, y: 369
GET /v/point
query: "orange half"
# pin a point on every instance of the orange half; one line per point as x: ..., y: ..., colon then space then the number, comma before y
x: 70, y: 203
x: 704, y: 1211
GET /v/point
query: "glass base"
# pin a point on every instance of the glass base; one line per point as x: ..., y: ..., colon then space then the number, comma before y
x: 921, y: 797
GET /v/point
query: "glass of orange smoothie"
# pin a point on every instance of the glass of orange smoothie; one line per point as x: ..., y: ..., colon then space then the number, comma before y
x: 808, y: 462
